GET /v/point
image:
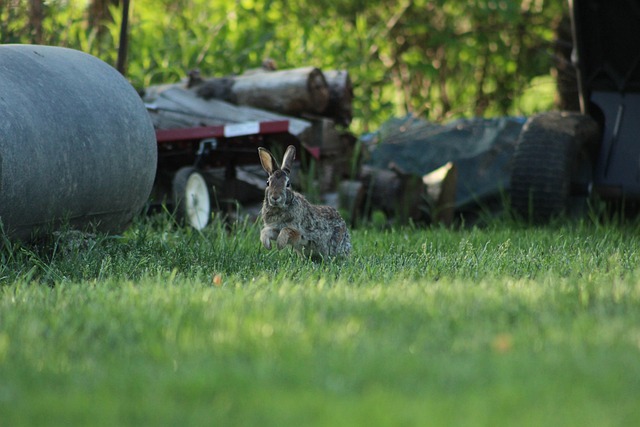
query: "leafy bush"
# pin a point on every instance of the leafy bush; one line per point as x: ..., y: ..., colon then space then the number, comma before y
x: 439, y: 59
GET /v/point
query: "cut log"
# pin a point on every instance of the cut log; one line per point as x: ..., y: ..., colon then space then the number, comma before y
x: 303, y: 92
x: 351, y: 197
x: 217, y: 88
x: 293, y: 92
x: 441, y: 193
x: 397, y: 194
x: 340, y: 106
x: 402, y: 196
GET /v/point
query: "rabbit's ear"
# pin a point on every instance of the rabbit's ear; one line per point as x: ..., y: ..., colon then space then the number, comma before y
x: 287, y: 160
x: 268, y: 163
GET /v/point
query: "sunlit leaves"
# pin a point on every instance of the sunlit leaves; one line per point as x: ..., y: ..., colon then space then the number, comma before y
x: 438, y: 59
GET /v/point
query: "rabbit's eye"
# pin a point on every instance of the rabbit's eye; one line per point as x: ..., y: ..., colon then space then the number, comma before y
x: 288, y: 184
x: 267, y: 183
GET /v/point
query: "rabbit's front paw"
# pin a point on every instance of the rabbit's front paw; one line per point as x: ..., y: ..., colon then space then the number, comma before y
x: 268, y: 234
x: 288, y: 236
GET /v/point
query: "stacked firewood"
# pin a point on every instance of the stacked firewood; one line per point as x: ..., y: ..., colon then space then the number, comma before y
x: 317, y: 103
x: 296, y: 92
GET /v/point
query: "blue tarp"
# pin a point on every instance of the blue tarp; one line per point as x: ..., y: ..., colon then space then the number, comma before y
x: 480, y: 148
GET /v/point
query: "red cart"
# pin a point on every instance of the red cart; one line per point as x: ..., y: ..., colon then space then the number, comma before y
x: 187, y: 155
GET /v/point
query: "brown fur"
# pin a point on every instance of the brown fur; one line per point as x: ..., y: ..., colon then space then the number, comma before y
x: 289, y: 219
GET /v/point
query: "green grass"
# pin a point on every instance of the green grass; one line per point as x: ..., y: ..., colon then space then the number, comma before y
x: 504, y: 325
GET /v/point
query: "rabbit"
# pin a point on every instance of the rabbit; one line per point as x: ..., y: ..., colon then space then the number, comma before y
x: 313, y: 231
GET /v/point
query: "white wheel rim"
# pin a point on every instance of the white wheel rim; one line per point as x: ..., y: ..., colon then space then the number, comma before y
x: 197, y: 201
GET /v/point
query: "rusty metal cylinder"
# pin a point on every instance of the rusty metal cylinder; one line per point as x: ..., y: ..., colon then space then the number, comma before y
x: 77, y: 146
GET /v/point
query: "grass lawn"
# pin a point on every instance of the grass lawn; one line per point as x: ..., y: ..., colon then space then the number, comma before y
x: 504, y: 325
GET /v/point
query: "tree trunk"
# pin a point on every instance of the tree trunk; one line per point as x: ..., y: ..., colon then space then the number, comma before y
x: 99, y: 13
x: 36, y: 16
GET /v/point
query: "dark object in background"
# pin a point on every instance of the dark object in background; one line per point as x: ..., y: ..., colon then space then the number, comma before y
x: 550, y: 164
x: 77, y: 145
x: 204, y: 138
x: 600, y: 155
x: 467, y: 162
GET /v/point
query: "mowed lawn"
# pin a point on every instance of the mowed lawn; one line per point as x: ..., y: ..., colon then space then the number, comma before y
x: 499, y: 326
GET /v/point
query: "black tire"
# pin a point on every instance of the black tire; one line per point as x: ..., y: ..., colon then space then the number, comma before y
x: 191, y: 198
x: 553, y: 152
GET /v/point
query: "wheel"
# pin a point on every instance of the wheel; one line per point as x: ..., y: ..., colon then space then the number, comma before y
x: 553, y: 153
x: 191, y: 198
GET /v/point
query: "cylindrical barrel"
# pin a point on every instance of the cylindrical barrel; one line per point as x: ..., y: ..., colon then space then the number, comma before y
x: 77, y: 145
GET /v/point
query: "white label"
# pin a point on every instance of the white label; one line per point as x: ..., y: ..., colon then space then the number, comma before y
x: 239, y: 129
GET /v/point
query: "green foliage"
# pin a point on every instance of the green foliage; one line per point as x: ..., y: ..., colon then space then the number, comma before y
x: 498, y: 326
x: 439, y: 59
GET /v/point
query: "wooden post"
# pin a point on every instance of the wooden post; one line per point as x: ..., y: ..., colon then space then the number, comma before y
x: 124, y: 39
